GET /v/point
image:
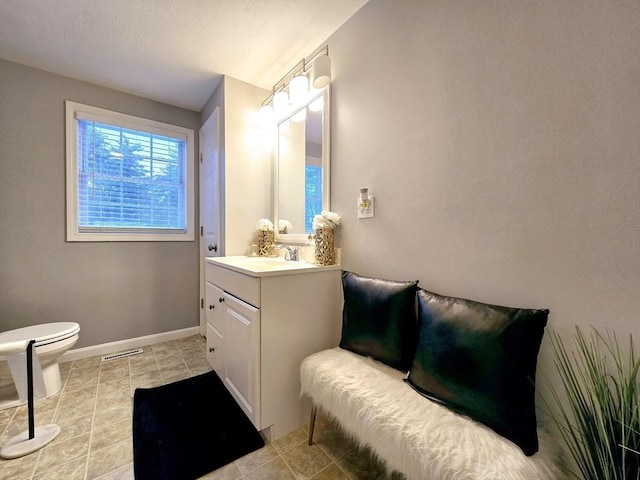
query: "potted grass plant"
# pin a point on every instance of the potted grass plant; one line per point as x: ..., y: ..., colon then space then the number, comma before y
x: 599, y: 415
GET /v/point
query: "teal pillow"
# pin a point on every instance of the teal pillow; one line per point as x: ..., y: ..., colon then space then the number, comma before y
x: 379, y: 319
x: 480, y: 360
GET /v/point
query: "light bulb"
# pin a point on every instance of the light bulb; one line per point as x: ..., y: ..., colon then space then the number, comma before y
x: 298, y: 89
x: 300, y: 116
x: 280, y: 103
x: 316, y: 105
x: 266, y: 113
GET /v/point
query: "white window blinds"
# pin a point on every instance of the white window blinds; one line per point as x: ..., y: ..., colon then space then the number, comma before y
x: 128, y: 179
x: 131, y: 175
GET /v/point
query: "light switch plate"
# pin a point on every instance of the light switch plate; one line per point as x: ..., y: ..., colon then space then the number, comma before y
x: 365, y: 211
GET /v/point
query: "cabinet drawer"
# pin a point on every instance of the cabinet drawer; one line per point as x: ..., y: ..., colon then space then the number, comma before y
x: 237, y: 284
x: 215, y: 353
x: 214, y: 297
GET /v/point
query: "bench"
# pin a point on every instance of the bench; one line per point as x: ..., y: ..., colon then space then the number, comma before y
x: 466, y: 408
x: 410, y: 433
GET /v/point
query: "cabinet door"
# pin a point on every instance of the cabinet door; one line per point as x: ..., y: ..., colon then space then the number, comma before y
x: 242, y: 359
x: 214, y: 306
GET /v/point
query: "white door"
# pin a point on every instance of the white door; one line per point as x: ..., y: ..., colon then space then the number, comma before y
x: 209, y: 201
x: 242, y: 362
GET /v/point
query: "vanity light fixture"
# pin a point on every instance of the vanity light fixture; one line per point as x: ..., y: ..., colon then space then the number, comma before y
x: 317, y: 104
x: 292, y: 90
x: 280, y: 103
x: 300, y: 116
x: 266, y: 113
x: 298, y: 89
x: 321, y: 71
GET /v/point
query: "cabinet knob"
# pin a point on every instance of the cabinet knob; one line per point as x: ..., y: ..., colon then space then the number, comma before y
x: 211, y: 307
x: 221, y: 299
x: 213, y: 248
x: 211, y: 349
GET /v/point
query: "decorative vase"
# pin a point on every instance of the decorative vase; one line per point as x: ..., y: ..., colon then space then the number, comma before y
x: 325, y: 249
x: 265, y: 242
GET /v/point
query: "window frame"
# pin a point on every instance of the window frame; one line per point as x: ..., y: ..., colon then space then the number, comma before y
x: 74, y: 234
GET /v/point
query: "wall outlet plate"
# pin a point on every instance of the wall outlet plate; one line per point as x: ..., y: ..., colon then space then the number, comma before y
x: 365, y: 209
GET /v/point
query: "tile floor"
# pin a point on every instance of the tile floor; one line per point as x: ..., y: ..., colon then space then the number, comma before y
x: 94, y: 412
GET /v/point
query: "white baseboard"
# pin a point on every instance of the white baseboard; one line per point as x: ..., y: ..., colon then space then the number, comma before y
x: 120, y: 345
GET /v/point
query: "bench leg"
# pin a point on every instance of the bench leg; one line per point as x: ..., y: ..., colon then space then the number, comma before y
x: 312, y: 423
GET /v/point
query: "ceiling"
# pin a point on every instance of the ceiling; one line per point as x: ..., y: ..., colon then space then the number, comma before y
x: 173, y: 51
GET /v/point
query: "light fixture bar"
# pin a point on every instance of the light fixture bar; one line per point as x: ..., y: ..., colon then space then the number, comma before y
x: 302, y: 67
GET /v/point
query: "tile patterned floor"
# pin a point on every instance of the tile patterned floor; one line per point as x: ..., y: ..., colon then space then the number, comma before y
x: 94, y: 412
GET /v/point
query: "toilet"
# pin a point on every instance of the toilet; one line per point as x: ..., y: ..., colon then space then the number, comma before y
x: 52, y: 340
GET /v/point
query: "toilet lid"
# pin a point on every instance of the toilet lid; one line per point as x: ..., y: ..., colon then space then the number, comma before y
x: 43, y: 333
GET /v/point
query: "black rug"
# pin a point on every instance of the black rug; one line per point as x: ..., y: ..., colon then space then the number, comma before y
x: 186, y: 429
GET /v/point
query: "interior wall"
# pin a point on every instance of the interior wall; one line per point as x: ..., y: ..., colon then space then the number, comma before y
x: 246, y: 170
x: 114, y: 290
x: 500, y: 140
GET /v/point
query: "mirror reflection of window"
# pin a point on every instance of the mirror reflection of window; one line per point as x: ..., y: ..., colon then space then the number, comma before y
x: 313, y: 195
x: 313, y: 168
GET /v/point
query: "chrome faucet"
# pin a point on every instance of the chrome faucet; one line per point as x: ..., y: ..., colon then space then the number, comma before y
x: 290, y: 254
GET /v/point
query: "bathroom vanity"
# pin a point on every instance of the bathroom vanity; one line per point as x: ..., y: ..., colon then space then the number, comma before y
x: 264, y: 316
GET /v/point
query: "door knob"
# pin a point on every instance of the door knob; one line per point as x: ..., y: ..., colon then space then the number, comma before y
x: 211, y: 307
x: 211, y: 349
x: 213, y: 247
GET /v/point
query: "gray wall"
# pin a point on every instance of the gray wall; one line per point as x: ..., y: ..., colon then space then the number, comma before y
x: 501, y: 141
x: 113, y: 290
x: 499, y: 138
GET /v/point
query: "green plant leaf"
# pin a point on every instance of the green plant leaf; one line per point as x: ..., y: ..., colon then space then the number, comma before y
x: 598, y: 416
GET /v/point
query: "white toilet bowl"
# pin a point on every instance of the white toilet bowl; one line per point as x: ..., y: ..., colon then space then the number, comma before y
x: 52, y: 340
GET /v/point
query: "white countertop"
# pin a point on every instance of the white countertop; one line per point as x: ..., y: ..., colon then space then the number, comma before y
x: 267, y: 266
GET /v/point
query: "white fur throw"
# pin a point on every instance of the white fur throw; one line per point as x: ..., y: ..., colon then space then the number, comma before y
x: 413, y: 435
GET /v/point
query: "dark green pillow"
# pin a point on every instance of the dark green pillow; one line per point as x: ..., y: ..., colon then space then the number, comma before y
x: 480, y: 360
x: 379, y: 319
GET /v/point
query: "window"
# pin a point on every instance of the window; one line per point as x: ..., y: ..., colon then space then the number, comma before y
x: 128, y: 179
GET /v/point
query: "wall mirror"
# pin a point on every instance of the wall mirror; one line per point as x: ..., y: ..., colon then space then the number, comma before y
x: 301, y: 179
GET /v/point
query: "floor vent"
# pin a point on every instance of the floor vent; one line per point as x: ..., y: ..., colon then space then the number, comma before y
x: 116, y: 356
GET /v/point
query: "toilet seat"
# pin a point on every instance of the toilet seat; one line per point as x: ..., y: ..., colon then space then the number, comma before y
x: 43, y: 334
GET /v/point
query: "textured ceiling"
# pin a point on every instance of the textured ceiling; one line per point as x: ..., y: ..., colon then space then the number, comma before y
x: 174, y: 51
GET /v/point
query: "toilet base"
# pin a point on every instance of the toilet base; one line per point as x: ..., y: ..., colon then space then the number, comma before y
x: 52, y: 341
x: 52, y: 384
x: 51, y: 376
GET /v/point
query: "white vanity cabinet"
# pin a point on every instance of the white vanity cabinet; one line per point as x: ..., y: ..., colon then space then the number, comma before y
x: 262, y: 325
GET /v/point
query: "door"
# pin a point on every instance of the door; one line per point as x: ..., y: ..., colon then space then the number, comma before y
x: 209, y: 201
x: 242, y: 364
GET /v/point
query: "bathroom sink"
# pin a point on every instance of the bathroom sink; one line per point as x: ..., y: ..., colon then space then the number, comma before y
x: 262, y: 265
x: 271, y: 263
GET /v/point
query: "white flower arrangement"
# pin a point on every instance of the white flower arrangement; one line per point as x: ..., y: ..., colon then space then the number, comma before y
x: 265, y: 225
x: 326, y: 220
x: 284, y: 226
